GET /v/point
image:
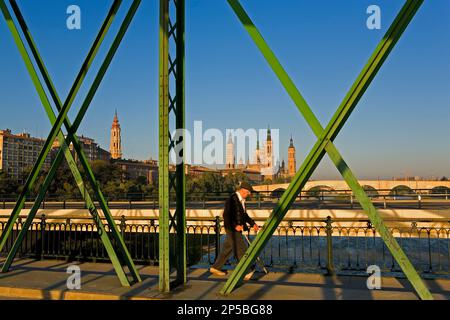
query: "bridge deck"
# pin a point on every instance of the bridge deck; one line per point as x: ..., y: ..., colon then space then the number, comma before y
x: 47, y: 280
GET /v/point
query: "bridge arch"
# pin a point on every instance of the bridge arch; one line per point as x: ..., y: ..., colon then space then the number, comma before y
x: 401, y: 190
x: 317, y: 190
x: 441, y: 190
x: 370, y: 191
x: 277, y: 193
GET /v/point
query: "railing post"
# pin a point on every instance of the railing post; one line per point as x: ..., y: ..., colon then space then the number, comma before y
x: 204, y: 196
x: 123, y: 225
x: 84, y: 197
x: 419, y: 200
x: 384, y: 202
x: 43, y: 224
x: 351, y: 200
x: 259, y: 200
x: 329, y: 231
x: 217, y: 229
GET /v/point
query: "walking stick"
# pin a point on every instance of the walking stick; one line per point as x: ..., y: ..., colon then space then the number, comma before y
x: 258, y: 259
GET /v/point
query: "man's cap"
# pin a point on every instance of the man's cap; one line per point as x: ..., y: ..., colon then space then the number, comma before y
x: 246, y: 185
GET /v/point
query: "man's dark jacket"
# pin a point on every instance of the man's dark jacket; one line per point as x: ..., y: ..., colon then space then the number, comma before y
x: 234, y: 214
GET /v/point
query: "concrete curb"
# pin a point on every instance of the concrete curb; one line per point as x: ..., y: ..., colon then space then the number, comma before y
x: 42, y: 294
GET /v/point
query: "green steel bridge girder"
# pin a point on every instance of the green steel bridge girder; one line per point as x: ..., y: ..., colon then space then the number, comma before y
x: 172, y: 27
x: 71, y: 137
x: 325, y: 145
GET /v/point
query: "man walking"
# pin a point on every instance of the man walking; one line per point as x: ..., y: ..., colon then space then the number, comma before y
x: 235, y: 221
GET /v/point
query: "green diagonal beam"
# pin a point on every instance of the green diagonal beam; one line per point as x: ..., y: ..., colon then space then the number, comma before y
x: 325, y: 143
x: 76, y: 124
x: 72, y: 164
x: 83, y: 160
x: 56, y: 128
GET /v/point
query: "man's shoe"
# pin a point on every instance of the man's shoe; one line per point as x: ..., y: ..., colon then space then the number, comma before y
x: 216, y: 272
x: 249, y: 275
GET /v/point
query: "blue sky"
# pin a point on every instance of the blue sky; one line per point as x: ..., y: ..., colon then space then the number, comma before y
x: 400, y: 127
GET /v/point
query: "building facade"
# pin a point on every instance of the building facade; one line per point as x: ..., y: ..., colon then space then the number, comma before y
x: 18, y: 152
x: 90, y: 148
x: 133, y: 169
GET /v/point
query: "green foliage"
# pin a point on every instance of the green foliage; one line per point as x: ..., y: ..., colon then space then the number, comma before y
x: 214, y: 183
x: 7, y: 185
x: 116, y: 186
x: 105, y: 172
x: 109, y: 176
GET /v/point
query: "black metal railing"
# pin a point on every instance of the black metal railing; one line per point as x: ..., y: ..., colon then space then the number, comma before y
x: 325, y: 199
x: 307, y: 245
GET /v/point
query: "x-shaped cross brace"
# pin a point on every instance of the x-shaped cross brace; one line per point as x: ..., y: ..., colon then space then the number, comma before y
x: 71, y: 138
x: 325, y: 144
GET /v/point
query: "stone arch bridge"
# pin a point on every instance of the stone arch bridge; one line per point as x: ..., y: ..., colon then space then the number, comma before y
x: 381, y: 186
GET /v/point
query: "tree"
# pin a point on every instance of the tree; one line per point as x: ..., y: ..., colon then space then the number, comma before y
x: 106, y: 172
x: 8, y: 187
x: 232, y: 181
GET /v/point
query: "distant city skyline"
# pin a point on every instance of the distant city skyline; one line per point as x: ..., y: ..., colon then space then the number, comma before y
x: 398, y: 129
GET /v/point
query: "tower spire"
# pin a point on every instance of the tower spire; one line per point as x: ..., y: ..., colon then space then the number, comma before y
x: 230, y: 138
x: 115, y: 147
x: 230, y: 153
x: 292, y: 163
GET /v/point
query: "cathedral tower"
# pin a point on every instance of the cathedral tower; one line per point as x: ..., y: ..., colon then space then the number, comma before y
x: 115, y: 147
x: 269, y: 152
x: 230, y: 153
x: 292, y: 165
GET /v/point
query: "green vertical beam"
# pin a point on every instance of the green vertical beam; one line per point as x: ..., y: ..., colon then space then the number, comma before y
x: 325, y: 143
x: 163, y: 179
x: 180, y: 125
x: 172, y: 101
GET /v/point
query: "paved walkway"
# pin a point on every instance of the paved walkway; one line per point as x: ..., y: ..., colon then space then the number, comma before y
x: 29, y: 279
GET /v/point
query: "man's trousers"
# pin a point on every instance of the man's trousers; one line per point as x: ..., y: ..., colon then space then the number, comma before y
x: 234, y: 243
